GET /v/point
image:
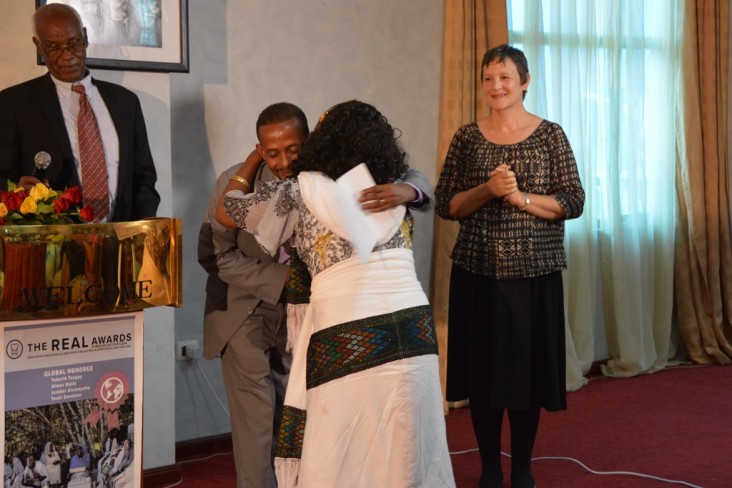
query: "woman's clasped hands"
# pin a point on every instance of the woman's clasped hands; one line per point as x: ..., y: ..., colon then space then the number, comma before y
x: 502, y: 182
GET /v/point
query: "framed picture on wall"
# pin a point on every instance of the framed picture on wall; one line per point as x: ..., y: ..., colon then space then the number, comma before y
x: 137, y: 35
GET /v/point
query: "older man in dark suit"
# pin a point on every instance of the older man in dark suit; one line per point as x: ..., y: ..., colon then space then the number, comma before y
x: 41, y: 116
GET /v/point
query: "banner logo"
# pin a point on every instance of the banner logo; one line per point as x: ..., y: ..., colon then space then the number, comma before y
x: 112, y: 390
x: 14, y: 349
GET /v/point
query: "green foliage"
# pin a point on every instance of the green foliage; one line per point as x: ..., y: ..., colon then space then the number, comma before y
x: 27, y: 430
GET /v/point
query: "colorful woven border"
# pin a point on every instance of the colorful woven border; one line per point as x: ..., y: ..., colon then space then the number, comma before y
x: 297, y: 289
x: 291, y: 434
x: 362, y: 344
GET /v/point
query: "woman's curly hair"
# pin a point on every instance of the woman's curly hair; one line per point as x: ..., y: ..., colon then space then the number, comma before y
x: 348, y: 134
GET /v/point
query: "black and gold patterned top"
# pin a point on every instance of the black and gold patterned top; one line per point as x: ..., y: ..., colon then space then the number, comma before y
x: 499, y: 240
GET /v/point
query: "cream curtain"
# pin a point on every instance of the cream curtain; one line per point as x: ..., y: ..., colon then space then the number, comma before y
x: 703, y: 266
x: 624, y: 265
x: 471, y: 28
x: 606, y: 71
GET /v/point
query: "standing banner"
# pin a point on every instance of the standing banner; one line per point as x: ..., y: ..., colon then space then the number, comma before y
x: 71, y: 325
x: 72, y: 396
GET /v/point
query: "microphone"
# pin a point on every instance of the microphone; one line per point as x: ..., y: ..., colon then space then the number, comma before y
x: 42, y: 160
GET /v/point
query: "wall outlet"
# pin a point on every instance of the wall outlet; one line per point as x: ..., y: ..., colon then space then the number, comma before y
x: 184, y: 350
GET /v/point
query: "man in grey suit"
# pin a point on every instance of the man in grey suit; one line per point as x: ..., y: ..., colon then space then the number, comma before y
x: 40, y: 116
x: 245, y: 319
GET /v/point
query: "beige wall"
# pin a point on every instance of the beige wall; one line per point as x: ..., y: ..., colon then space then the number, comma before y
x: 314, y: 53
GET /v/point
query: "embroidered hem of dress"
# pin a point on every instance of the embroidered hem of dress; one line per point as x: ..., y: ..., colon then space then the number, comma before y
x: 295, y: 317
x: 292, y: 433
x: 287, y: 471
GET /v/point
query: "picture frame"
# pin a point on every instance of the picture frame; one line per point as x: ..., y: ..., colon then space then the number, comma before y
x: 134, y: 35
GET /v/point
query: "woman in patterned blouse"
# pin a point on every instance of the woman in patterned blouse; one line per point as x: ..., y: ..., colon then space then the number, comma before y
x: 510, y: 180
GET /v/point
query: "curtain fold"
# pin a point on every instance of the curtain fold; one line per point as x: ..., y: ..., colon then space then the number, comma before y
x: 606, y: 71
x: 471, y: 28
x: 703, y: 263
x: 552, y: 87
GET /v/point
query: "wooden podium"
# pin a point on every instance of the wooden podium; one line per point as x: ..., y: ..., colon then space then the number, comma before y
x: 72, y: 300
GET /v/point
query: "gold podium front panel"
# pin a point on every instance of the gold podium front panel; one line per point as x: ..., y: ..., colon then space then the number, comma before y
x: 49, y: 271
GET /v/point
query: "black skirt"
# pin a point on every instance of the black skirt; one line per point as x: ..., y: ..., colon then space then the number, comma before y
x: 505, y: 344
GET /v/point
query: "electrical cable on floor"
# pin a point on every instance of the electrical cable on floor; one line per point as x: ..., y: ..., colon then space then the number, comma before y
x: 195, y: 460
x: 193, y: 354
x: 174, y: 484
x: 206, y: 458
x: 198, y: 363
x: 588, y: 469
x: 623, y: 473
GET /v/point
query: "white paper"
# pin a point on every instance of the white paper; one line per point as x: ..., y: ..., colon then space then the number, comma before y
x: 364, y: 229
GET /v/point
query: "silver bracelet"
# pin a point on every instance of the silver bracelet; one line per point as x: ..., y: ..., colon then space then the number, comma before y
x: 528, y: 201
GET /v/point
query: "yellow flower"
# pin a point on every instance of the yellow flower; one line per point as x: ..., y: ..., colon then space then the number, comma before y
x: 41, y: 192
x: 28, y: 206
x: 37, y: 207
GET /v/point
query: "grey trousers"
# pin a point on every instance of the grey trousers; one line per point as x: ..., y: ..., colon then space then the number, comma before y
x: 255, y: 368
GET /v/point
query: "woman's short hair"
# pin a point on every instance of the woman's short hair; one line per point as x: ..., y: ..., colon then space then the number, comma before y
x: 500, y: 53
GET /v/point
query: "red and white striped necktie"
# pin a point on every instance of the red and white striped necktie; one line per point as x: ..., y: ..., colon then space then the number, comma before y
x: 94, y: 177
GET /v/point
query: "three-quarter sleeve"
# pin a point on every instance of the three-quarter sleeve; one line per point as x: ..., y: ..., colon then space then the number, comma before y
x: 451, y: 179
x: 270, y: 213
x: 567, y: 189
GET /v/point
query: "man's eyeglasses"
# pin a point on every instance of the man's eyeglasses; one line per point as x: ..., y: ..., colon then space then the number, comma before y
x: 74, y: 47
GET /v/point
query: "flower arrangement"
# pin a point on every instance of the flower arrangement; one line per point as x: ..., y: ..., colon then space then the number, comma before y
x: 42, y: 206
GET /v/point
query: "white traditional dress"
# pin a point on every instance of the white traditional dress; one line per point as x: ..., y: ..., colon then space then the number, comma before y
x: 52, y: 460
x: 363, y: 406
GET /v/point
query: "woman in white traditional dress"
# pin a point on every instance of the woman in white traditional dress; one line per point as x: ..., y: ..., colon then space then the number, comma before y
x: 364, y: 405
x: 17, y: 472
x: 52, y: 459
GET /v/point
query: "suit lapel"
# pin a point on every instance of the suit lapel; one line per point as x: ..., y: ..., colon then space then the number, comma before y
x: 49, y: 105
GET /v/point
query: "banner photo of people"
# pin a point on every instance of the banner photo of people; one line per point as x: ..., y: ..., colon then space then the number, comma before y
x: 72, y: 396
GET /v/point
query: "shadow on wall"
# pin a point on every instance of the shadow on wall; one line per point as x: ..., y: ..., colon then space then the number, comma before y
x: 193, y: 177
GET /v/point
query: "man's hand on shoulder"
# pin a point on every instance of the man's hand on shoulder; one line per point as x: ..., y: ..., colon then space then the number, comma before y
x: 383, y: 197
x: 253, y: 161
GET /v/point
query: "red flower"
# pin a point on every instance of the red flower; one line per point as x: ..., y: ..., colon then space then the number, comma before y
x: 73, y: 194
x: 12, y: 199
x: 61, y: 205
x: 87, y: 213
x: 42, y: 205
